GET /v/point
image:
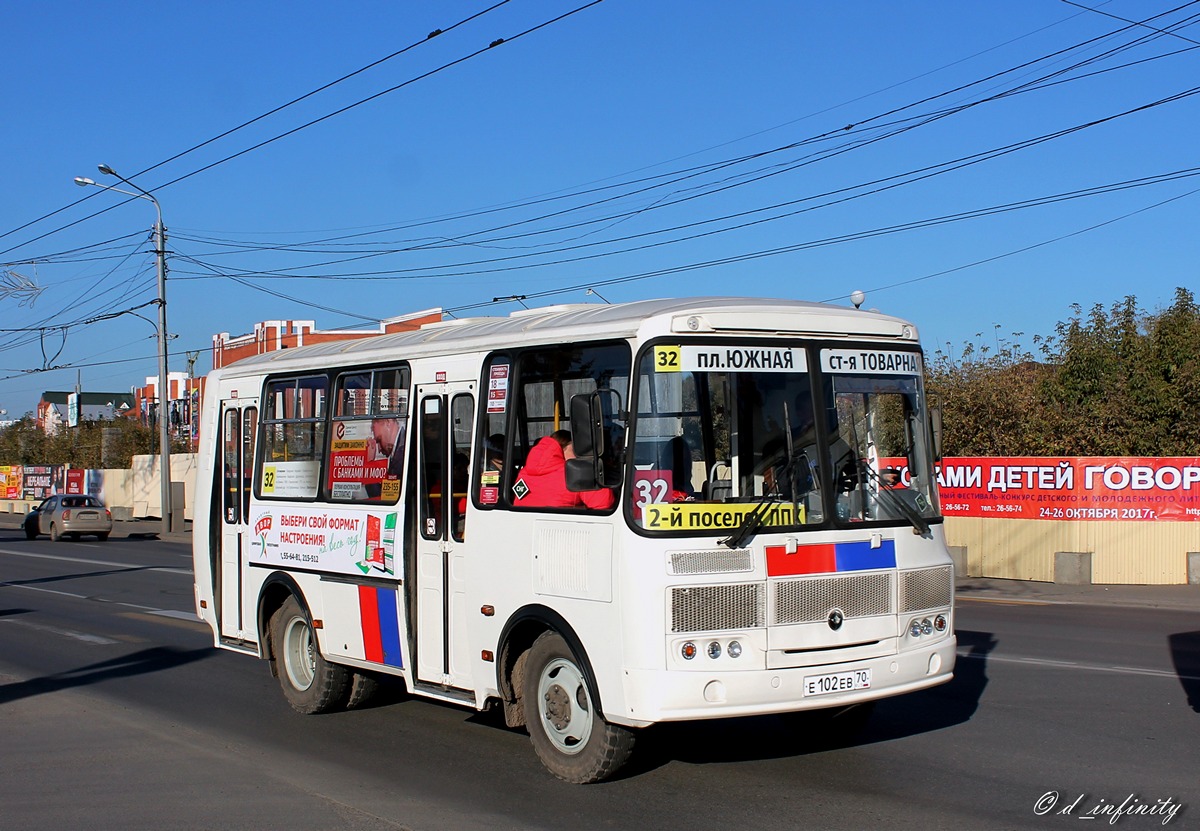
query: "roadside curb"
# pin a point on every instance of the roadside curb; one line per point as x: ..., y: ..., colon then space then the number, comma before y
x: 998, y: 590
x: 137, y: 529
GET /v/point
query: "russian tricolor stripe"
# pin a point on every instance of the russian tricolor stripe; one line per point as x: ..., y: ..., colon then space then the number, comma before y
x: 830, y: 557
x: 380, y: 616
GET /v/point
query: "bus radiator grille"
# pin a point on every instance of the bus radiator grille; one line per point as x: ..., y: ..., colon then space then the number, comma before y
x: 718, y: 608
x: 926, y: 588
x: 716, y: 561
x: 811, y: 600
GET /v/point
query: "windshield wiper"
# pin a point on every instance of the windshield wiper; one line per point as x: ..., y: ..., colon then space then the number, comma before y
x: 895, y: 501
x: 753, y: 520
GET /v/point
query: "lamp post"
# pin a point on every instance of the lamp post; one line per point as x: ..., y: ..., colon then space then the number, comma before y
x: 160, y: 251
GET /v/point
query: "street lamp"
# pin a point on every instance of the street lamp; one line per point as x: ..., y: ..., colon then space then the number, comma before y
x: 160, y: 250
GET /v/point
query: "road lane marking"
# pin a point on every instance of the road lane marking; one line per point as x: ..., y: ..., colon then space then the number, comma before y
x: 1052, y: 664
x: 40, y: 589
x: 91, y: 562
x: 190, y: 617
x: 96, y: 640
x: 150, y: 610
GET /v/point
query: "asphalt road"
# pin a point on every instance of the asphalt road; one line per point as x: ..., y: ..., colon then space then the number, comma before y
x: 115, y: 712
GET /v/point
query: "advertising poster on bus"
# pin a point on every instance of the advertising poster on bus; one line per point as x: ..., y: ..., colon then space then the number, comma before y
x: 366, y: 458
x: 358, y: 542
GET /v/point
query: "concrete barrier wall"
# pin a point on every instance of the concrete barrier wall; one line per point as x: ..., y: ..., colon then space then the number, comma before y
x: 135, y: 493
x: 1133, y: 553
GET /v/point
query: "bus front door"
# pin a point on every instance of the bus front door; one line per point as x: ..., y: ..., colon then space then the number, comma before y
x: 446, y: 419
x: 239, y: 427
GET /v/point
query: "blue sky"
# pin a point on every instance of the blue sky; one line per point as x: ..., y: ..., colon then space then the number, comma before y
x: 646, y: 149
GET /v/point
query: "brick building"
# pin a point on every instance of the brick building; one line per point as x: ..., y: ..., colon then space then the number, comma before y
x: 271, y: 335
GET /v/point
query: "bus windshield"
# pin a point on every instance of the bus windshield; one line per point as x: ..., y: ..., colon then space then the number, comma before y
x: 733, y: 438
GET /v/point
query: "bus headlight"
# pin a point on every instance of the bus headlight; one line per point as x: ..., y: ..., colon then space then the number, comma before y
x: 940, y: 623
x: 714, y: 650
x: 914, y: 628
x: 688, y: 651
x: 735, y: 649
x: 927, y: 627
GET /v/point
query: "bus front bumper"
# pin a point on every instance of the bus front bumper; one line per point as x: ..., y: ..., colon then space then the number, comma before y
x: 671, y: 695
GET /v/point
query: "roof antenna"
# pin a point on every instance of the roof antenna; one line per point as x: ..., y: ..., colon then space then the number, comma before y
x: 857, y: 298
x: 598, y: 294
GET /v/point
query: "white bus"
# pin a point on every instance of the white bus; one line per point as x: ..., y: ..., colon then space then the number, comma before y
x: 743, y: 519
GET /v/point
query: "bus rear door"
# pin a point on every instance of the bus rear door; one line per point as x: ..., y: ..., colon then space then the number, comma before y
x: 239, y: 428
x: 446, y: 419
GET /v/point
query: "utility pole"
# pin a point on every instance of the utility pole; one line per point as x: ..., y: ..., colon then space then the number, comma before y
x: 164, y: 382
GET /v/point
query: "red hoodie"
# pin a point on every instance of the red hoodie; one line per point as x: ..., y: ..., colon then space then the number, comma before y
x: 545, y: 477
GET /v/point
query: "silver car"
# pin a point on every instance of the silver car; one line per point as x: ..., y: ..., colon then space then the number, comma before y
x: 69, y: 515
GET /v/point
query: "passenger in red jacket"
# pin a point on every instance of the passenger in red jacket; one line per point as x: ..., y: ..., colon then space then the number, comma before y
x: 543, y: 481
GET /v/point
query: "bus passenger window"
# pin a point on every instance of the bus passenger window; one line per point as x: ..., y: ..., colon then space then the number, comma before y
x: 432, y: 467
x: 366, y: 444
x: 462, y: 410
x: 547, y: 380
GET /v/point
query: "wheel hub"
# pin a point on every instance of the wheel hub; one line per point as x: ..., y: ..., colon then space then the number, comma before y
x: 558, y: 707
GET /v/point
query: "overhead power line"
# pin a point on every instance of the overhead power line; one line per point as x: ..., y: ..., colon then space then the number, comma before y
x: 360, y: 102
x: 875, y: 232
x: 468, y: 268
x: 903, y: 125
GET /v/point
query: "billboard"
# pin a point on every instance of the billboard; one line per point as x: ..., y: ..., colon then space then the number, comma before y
x: 1087, y: 488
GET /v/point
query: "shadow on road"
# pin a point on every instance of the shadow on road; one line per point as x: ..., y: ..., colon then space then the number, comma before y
x: 56, y: 578
x: 1185, y: 654
x: 7, y: 612
x: 138, y: 663
x: 798, y: 734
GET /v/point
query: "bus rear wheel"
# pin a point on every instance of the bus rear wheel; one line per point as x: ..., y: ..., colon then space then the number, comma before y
x: 310, y: 683
x: 571, y: 738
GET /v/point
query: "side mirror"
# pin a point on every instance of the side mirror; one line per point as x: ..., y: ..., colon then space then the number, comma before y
x: 586, y: 471
x: 592, y: 419
x: 581, y: 475
x: 587, y: 425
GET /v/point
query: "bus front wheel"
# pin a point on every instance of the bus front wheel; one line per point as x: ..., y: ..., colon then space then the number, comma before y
x: 571, y: 738
x: 310, y: 683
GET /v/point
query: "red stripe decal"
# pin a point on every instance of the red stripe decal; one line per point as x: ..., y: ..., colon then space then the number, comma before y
x: 368, y: 610
x: 808, y: 559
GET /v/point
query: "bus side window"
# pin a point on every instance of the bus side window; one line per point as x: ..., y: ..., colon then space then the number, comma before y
x: 462, y: 410
x: 432, y: 469
x: 547, y: 379
x: 231, y: 457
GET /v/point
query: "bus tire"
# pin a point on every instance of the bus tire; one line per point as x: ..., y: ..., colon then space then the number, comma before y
x: 310, y: 683
x: 571, y: 738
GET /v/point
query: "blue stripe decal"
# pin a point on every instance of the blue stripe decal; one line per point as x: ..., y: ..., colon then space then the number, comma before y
x: 389, y: 627
x: 859, y: 556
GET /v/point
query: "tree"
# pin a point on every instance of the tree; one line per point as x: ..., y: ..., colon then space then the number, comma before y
x: 93, y: 444
x: 1113, y: 382
x: 990, y: 400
